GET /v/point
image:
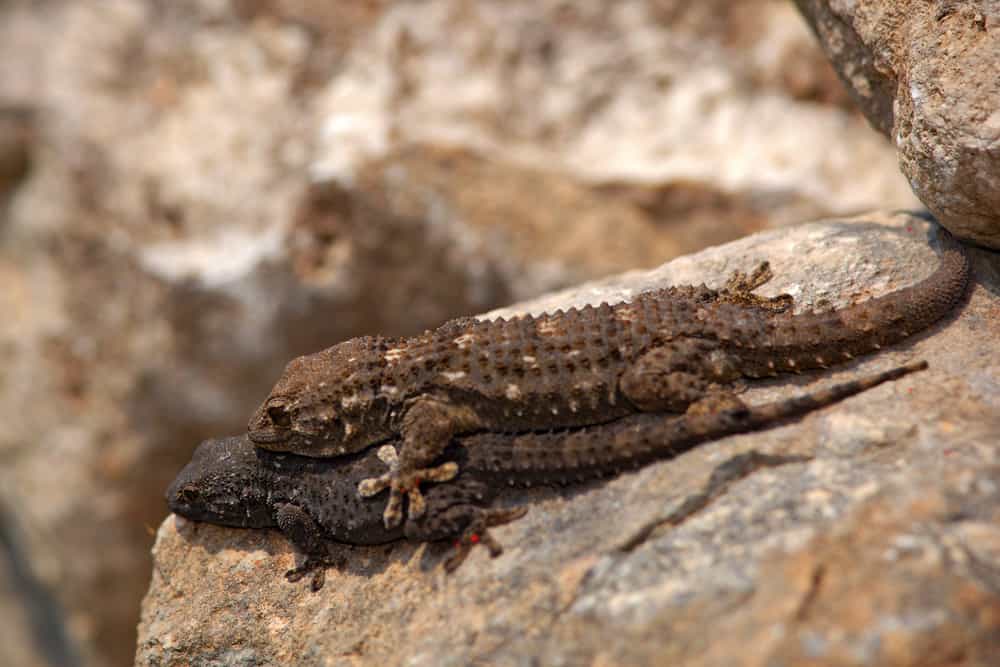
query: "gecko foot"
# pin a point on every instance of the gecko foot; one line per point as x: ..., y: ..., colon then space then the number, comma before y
x: 313, y: 564
x: 740, y: 286
x: 405, y: 484
x: 478, y: 532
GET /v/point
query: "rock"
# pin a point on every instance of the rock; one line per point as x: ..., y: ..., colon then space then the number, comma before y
x: 925, y: 75
x: 882, y: 550
x: 215, y: 187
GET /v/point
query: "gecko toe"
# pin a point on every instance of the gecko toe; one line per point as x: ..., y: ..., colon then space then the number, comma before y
x: 313, y: 565
x: 417, y: 504
x: 441, y: 473
x: 393, y: 515
x: 405, y: 484
x: 504, y: 516
x: 373, y: 486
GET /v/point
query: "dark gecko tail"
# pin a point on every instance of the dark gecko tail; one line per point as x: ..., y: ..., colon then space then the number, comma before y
x: 815, y: 340
x: 631, y: 442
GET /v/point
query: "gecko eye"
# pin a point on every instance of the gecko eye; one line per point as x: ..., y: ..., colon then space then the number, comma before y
x: 279, y: 416
x: 188, y: 494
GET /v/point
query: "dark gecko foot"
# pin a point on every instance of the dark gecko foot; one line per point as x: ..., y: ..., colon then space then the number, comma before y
x: 478, y: 533
x: 316, y: 565
x: 467, y: 524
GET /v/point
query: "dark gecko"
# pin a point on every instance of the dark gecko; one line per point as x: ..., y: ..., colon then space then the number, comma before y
x: 661, y: 352
x: 313, y: 501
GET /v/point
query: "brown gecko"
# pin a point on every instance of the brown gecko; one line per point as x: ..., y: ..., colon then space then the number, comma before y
x: 661, y: 352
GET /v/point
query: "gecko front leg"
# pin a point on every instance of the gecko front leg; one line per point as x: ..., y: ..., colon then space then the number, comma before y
x: 302, y: 531
x: 428, y: 426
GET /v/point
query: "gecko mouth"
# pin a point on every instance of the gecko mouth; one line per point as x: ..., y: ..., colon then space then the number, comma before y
x: 285, y: 440
x: 269, y: 436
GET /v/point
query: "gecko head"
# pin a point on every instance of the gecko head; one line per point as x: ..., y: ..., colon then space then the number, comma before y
x: 324, y: 404
x: 219, y: 485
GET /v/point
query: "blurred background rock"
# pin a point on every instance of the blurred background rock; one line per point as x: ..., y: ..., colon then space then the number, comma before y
x: 194, y: 191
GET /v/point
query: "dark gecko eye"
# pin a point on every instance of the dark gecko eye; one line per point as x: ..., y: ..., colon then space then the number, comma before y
x: 279, y: 416
x: 189, y: 494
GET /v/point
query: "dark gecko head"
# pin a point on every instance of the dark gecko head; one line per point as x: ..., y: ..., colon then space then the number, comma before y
x: 222, y: 485
x: 327, y: 403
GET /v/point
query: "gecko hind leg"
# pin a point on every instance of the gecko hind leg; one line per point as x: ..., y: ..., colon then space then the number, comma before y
x: 467, y: 524
x: 672, y: 376
x: 460, y: 512
x: 739, y: 290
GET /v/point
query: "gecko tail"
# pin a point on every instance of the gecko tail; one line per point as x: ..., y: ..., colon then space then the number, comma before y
x: 635, y: 441
x: 796, y: 406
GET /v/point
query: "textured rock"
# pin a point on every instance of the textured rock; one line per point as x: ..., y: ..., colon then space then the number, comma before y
x: 217, y: 186
x: 883, y: 550
x: 925, y: 74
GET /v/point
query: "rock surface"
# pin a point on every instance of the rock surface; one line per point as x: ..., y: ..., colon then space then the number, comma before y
x: 925, y: 75
x: 206, y: 188
x: 883, y: 550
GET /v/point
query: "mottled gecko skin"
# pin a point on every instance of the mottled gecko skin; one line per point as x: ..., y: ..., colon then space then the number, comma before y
x: 313, y: 501
x: 661, y: 352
